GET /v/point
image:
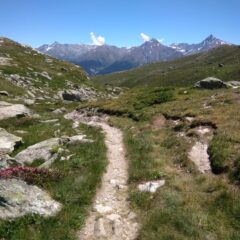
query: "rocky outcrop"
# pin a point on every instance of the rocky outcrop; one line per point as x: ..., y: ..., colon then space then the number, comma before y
x: 17, y: 199
x: 8, y: 110
x: 210, y: 83
x: 48, y: 150
x: 42, y: 150
x: 8, y: 141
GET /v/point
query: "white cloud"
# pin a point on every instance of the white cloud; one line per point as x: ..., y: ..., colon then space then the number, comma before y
x: 161, y: 40
x: 145, y: 37
x: 97, y: 40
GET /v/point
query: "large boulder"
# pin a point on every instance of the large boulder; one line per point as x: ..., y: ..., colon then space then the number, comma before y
x: 8, y: 141
x: 8, y: 110
x: 43, y: 150
x: 80, y: 94
x: 17, y: 199
x: 210, y: 83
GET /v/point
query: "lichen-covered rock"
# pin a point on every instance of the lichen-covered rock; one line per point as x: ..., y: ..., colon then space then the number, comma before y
x: 210, y: 83
x: 8, y: 110
x: 8, y: 141
x: 17, y: 199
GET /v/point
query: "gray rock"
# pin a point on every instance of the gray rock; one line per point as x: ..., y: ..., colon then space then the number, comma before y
x: 60, y: 110
x: 17, y: 199
x: 8, y: 110
x: 29, y: 101
x: 79, y: 139
x: 8, y: 141
x: 45, y: 75
x: 210, y: 83
x: 42, y: 150
x: 4, y: 93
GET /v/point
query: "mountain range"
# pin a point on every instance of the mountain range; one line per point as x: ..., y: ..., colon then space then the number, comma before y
x: 106, y: 59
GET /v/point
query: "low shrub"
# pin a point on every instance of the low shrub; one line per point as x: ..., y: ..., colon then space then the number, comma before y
x: 31, y: 175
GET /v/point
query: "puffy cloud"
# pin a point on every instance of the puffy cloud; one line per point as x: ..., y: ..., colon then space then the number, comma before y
x: 97, y: 40
x: 145, y: 37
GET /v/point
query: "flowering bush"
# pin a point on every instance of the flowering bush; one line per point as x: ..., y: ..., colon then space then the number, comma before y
x: 31, y: 175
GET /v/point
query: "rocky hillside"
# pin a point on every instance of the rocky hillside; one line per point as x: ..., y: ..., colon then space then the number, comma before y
x: 27, y: 71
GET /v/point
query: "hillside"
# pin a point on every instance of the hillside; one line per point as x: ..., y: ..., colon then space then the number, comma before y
x: 35, y: 72
x: 222, y: 62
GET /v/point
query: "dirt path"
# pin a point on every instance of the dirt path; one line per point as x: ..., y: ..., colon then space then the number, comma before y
x: 110, y: 217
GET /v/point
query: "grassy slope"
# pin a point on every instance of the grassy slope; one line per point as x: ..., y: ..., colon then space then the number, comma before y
x: 181, y: 72
x: 190, y: 205
x: 25, y: 58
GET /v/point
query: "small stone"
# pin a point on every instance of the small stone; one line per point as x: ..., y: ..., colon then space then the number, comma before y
x: 103, y: 209
x: 50, y: 121
x: 151, y: 186
x: 29, y: 101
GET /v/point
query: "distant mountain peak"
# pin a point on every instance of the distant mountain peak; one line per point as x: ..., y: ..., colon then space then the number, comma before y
x: 210, y: 37
x: 97, y: 59
x: 55, y: 43
x: 208, y: 43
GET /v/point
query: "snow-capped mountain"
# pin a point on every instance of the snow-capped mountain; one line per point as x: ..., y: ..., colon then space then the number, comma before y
x: 106, y: 59
x: 67, y: 52
x: 209, y: 43
x: 149, y: 52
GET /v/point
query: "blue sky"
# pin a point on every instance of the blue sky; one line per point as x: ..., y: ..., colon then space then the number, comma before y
x: 119, y: 22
